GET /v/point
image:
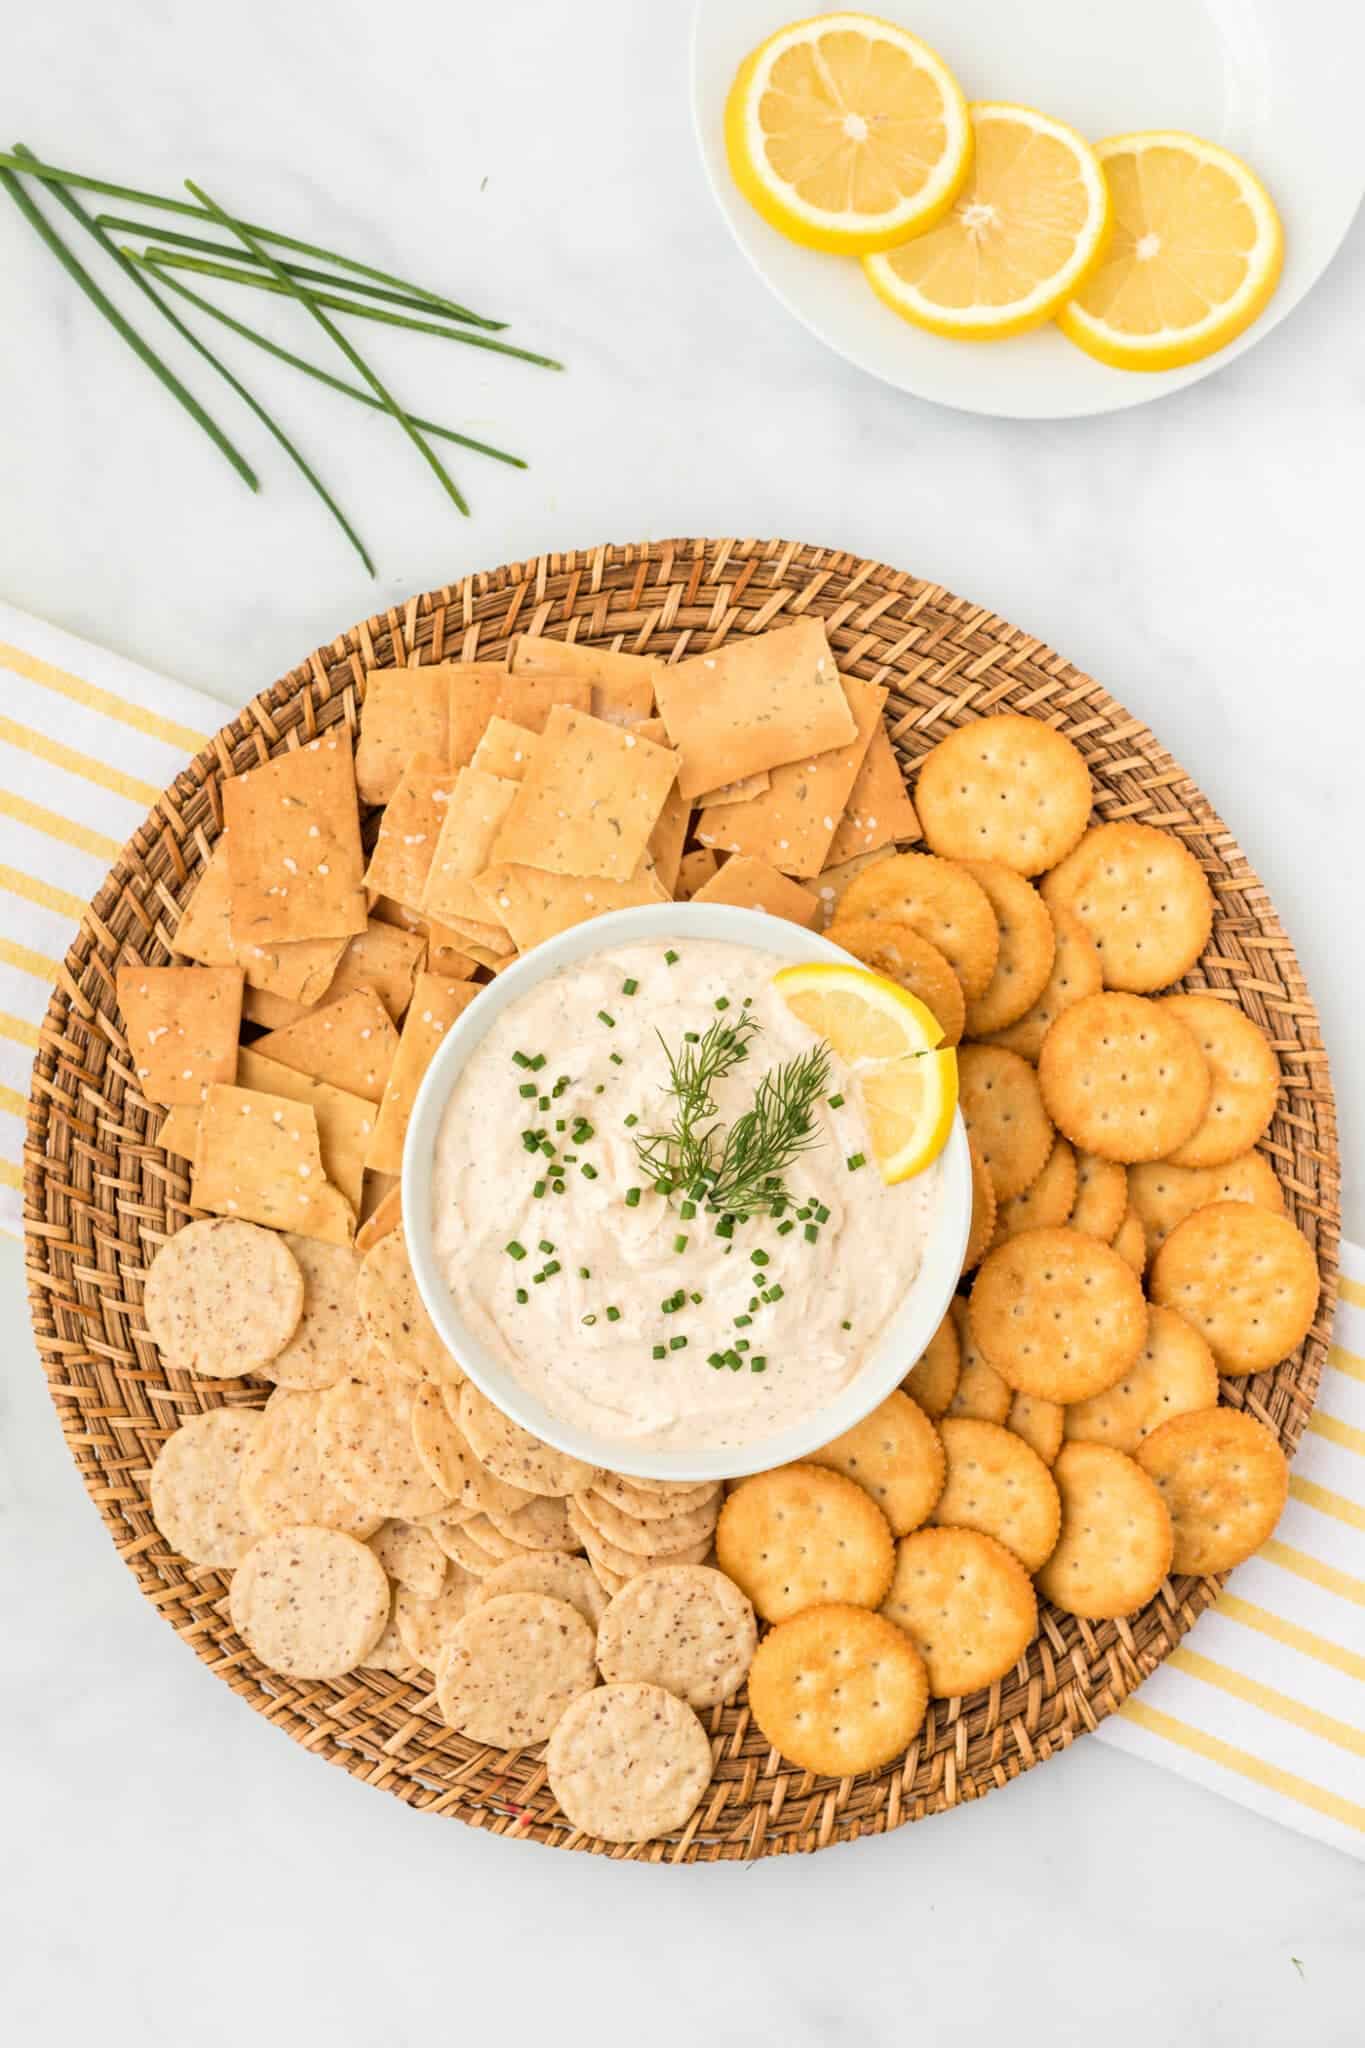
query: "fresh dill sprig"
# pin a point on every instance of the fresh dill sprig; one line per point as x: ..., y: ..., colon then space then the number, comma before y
x: 737, y: 1172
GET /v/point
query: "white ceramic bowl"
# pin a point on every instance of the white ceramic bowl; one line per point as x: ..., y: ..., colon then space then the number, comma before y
x: 906, y: 1335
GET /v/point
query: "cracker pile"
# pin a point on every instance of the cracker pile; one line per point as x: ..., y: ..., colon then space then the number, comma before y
x: 1061, y: 1436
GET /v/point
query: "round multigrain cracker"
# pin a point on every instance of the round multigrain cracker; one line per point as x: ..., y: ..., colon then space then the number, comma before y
x: 1165, y: 1195
x: 511, y: 1667
x: 1130, y: 1241
x: 286, y: 1480
x: 967, y: 1605
x: 801, y: 1534
x: 1101, y: 1197
x: 222, y: 1297
x: 1144, y: 900
x: 1246, y: 1279
x: 556, y: 1574
x: 985, y: 1210
x: 1123, y: 1077
x: 364, y: 1430
x: 903, y: 955
x: 389, y: 1655
x: 1048, y: 1203
x: 628, y: 1762
x: 981, y: 1394
x: 1224, y: 1480
x: 411, y: 1555
x: 838, y: 1690
x: 651, y: 1503
x: 442, y: 1449
x: 932, y: 1379
x: 1028, y: 943
x: 1075, y: 973
x: 512, y: 1453
x: 310, y: 1603
x: 646, y: 1538
x: 465, y: 1550
x: 395, y: 1315
x: 1245, y: 1074
x: 610, y: 1562
x: 542, y: 1523
x: 684, y: 1627
x: 1040, y: 1423
x: 425, y: 1625
x: 1002, y: 1107
x: 1058, y: 1314
x: 1004, y: 788
x: 896, y: 1455
x: 330, y: 1335
x: 1175, y: 1375
x: 995, y: 1483
x: 1114, y: 1549
x: 194, y: 1487
x: 940, y: 901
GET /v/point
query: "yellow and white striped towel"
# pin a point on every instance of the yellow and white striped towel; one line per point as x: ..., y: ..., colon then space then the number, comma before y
x: 1265, y: 1699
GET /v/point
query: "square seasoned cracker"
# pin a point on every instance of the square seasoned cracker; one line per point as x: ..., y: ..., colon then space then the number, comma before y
x: 754, y: 884
x: 297, y: 973
x: 478, y: 806
x: 446, y: 954
x: 757, y: 702
x: 179, y: 1131
x: 408, y: 832
x: 488, y: 942
x: 182, y: 1024
x: 589, y: 801
x: 879, y: 810
x: 345, y: 1122
x: 480, y: 691
x: 258, y: 1159
x: 406, y: 712
x: 669, y: 833
x: 293, y: 838
x: 695, y: 871
x: 793, y: 822
x: 505, y: 750
x: 350, y: 1043
x: 534, y: 905
x: 735, y: 792
x: 271, y: 1012
x: 435, y: 1006
x: 384, y: 958
x: 622, y: 685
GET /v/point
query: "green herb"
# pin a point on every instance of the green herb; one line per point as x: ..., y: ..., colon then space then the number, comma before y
x: 584, y: 1273
x: 758, y: 1363
x: 845, y: 1326
x: 552, y: 1267
x: 680, y: 1242
x: 588, y: 1170
x: 631, y: 1121
x: 545, y: 1246
x: 740, y: 1168
x: 519, y: 1059
x: 613, y: 1315
x: 677, y: 1343
x: 722, y: 1002
x: 628, y: 988
x: 527, y: 1088
x: 811, y: 1232
x: 632, y: 1198
x: 537, y: 1062
x: 671, y: 958
x: 605, y: 1017
x: 758, y: 1258
x: 522, y: 1296
x: 616, y: 1061
x: 539, y: 1190
x: 836, y: 1101
x: 660, y: 1351
x: 514, y: 1250
x: 785, y: 1229
x: 855, y: 1160
x: 589, y: 1319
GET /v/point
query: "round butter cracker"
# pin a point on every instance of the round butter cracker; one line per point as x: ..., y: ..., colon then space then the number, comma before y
x: 967, y: 1605
x: 838, y: 1690
x: 903, y: 955
x: 1245, y: 1278
x: 1076, y: 972
x: 1245, y: 1076
x: 1040, y: 1423
x: 1175, y: 1374
x: 1002, y: 1107
x: 1058, y: 1314
x: 1144, y: 900
x: 1048, y: 1202
x: 1101, y: 1197
x: 1028, y: 943
x: 982, y: 1394
x: 932, y: 1379
x: 1004, y: 788
x: 1165, y: 1195
x: 1114, y: 1549
x: 894, y: 1454
x: 1123, y: 1077
x: 995, y: 1483
x: 1224, y: 1480
x: 801, y: 1535
x: 985, y: 1209
x: 223, y: 1297
x: 940, y: 901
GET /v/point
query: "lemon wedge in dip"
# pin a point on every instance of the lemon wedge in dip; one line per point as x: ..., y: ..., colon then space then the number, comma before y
x: 907, y: 1080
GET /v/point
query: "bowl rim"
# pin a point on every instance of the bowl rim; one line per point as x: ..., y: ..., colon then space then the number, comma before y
x: 905, y: 1335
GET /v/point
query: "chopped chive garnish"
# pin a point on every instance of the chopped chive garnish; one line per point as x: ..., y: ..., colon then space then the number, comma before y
x: 845, y: 1326
x: 514, y: 1250
x: 631, y: 1121
x: 527, y: 1088
x: 803, y: 1212
x: 547, y: 1148
x: 680, y: 1242
x: 821, y: 1213
x: 613, y: 1315
x: 600, y: 1089
x: 617, y: 1061
x: 588, y: 1170
x: 537, y: 1279
x: 696, y: 1297
x: 520, y: 1059
x: 743, y: 1322
x: 628, y: 988
x: 716, y: 1359
x: 774, y: 1294
x: 784, y: 1228
x: 741, y: 1344
x: 537, y: 1063
x: 753, y: 1303
x: 687, y: 1210
x: 758, y: 1258
x: 542, y: 1102
x: 584, y: 1273
x: 545, y: 1245
x: 758, y: 1363
x: 836, y: 1101
x: 855, y: 1160
x: 734, y: 1361
x: 582, y: 1131
x: 677, y: 1343
x: 559, y: 1123
x: 556, y: 1187
x: 722, y: 1002
x: 671, y: 958
x: 522, y: 1295
x: 660, y: 1351
x: 552, y: 1266
x: 539, y: 1190
x: 605, y: 1017
x: 726, y: 1227
x: 692, y: 1037
x: 632, y: 1198
x: 811, y: 1232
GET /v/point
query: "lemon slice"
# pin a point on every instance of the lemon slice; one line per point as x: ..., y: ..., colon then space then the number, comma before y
x: 847, y: 133
x: 1023, y: 234
x: 908, y: 1089
x: 1195, y: 256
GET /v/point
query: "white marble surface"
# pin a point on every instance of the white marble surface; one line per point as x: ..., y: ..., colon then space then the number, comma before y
x: 1200, y: 556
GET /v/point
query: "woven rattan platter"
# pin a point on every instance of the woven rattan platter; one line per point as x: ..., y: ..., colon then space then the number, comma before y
x: 101, y: 1195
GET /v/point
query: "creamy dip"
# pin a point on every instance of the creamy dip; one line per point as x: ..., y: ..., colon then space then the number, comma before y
x: 567, y: 1290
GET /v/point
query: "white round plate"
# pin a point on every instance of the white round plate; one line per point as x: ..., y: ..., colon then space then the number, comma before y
x: 1274, y: 80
